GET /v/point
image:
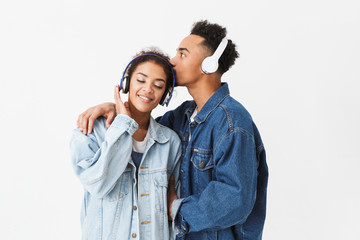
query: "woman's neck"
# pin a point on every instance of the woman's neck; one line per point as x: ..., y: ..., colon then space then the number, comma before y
x: 143, y: 121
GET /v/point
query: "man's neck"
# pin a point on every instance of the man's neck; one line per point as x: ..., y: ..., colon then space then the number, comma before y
x: 202, y: 90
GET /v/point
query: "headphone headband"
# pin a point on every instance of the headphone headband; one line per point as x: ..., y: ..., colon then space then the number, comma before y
x: 163, y: 101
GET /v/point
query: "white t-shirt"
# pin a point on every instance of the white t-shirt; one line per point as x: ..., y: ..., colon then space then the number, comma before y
x: 140, y: 146
x: 194, y: 114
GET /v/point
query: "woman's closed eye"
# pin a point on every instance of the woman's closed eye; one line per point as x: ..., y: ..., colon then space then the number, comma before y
x: 158, y: 86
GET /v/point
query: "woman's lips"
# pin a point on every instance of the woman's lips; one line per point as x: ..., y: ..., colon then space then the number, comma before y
x: 144, y: 98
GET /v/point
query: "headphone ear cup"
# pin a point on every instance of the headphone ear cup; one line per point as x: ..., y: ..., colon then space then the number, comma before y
x: 209, y: 65
x: 165, y: 98
x: 126, y: 84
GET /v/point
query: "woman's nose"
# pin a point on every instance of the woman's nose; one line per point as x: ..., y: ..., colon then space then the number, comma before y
x: 148, y: 87
x: 173, y: 61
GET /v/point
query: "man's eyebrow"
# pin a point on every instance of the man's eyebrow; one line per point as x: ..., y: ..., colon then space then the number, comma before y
x: 183, y: 49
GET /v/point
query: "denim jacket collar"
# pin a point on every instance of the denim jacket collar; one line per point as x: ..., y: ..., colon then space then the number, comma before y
x: 156, y: 133
x: 210, y: 105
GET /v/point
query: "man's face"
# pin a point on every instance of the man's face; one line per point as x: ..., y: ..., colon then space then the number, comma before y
x: 187, y: 62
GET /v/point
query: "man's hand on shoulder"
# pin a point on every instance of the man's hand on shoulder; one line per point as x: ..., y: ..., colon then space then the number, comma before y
x: 86, y: 119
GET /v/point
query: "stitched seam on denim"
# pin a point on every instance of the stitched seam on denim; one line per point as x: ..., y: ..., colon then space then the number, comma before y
x: 188, y: 110
x: 231, y: 127
x: 239, y: 130
x: 160, y: 184
x: 247, y: 133
x: 107, y: 166
x: 214, y: 108
x: 163, y: 134
x: 100, y: 219
x: 242, y: 232
x: 199, y: 150
x: 159, y: 131
x: 202, y: 169
x: 142, y: 171
x: 117, y: 217
x: 260, y: 148
x: 248, y: 214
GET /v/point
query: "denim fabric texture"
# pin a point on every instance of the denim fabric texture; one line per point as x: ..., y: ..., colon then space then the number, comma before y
x: 223, y: 171
x: 117, y: 204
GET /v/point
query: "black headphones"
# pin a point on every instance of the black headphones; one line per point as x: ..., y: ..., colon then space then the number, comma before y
x: 125, y: 80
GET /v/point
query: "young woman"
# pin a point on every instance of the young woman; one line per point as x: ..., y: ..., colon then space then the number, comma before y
x: 125, y: 169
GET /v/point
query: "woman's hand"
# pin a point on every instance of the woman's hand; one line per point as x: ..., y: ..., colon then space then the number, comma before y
x: 121, y: 108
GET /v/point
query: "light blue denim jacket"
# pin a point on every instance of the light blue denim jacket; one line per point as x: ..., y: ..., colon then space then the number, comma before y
x: 118, y: 204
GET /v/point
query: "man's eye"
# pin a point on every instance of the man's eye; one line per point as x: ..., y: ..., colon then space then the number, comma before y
x: 182, y: 55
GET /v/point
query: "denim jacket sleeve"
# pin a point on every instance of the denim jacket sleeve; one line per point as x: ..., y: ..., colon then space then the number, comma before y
x: 176, y: 174
x: 100, y: 158
x: 229, y: 199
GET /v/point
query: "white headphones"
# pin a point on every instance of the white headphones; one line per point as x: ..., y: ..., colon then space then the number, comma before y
x: 210, y: 64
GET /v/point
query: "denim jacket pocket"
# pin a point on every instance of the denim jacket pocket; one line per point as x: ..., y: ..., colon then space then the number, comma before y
x: 121, y: 187
x: 203, y: 168
x: 161, y: 186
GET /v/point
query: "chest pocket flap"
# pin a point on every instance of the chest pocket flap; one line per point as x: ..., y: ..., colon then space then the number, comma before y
x: 202, y: 160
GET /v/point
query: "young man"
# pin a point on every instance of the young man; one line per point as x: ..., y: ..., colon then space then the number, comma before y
x: 223, y: 171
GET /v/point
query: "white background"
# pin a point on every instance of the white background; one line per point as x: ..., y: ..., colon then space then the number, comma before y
x: 298, y: 75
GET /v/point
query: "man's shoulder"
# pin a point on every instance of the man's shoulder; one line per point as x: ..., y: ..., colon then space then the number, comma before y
x: 185, y: 106
x: 234, y: 109
x: 173, y: 117
x: 234, y: 114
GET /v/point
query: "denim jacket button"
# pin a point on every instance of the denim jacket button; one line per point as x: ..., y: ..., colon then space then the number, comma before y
x: 134, y: 235
x: 202, y: 164
x: 134, y: 207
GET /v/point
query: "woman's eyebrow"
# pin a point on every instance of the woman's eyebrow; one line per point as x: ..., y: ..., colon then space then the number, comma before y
x: 142, y: 74
x: 157, y: 79
x: 160, y: 80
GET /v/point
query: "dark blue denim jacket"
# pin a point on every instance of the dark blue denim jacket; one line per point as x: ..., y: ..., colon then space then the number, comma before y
x: 223, y: 170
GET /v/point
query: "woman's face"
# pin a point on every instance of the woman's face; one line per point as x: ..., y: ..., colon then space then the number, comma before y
x: 147, y: 86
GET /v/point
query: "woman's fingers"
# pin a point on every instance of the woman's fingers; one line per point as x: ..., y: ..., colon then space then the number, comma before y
x: 117, y: 94
x: 120, y: 106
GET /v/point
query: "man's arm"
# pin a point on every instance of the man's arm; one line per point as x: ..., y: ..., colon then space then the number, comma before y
x: 85, y: 121
x: 230, y: 198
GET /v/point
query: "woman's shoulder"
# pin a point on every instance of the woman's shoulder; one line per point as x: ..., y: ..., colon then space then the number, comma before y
x: 167, y: 132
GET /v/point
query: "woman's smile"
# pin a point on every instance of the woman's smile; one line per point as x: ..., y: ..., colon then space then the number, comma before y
x: 144, y: 98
